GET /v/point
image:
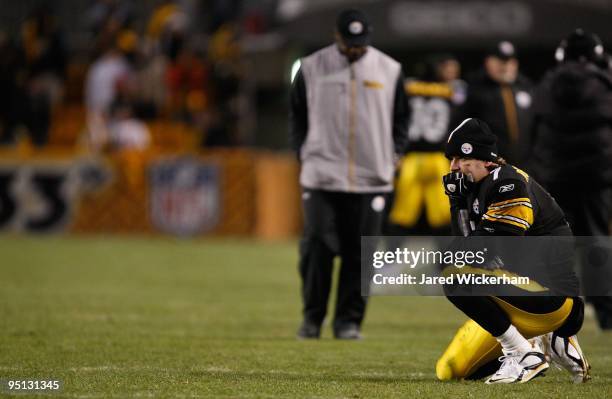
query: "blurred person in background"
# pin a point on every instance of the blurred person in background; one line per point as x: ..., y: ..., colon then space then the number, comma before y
x: 9, y: 71
x: 572, y: 153
x: 232, y: 94
x: 203, y: 80
x: 187, y: 78
x: 100, y: 12
x: 164, y: 40
x: 501, y: 96
x: 41, y: 76
x: 104, y: 77
x: 125, y: 130
x: 348, y: 119
x: 167, y: 28
x: 420, y: 205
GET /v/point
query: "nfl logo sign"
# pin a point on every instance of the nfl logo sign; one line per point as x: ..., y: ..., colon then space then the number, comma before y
x: 185, y: 196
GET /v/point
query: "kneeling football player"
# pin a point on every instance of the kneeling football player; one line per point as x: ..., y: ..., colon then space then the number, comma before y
x: 491, y: 198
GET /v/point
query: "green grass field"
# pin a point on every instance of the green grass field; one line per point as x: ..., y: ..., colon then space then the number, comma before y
x: 137, y: 317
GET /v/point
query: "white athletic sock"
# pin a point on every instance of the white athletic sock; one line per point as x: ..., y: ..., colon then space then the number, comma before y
x: 512, y: 341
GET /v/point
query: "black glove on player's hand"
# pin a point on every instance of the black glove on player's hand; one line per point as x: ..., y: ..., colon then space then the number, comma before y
x: 457, y: 187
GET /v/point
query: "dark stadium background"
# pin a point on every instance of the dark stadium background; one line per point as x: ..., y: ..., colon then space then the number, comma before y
x: 168, y: 268
x: 233, y: 109
x: 273, y: 37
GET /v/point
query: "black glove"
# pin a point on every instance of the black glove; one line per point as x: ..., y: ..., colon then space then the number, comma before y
x: 457, y: 187
x: 456, y: 184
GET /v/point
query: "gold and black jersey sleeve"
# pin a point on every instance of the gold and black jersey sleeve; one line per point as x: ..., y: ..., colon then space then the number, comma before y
x: 515, y: 204
x: 509, y: 209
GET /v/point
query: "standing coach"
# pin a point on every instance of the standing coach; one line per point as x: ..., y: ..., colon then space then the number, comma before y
x: 348, y: 118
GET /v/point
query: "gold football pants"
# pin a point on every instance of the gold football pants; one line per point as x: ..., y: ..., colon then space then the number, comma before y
x: 419, y: 186
x: 473, y: 347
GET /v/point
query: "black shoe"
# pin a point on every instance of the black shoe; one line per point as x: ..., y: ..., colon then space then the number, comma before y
x: 348, y: 331
x: 309, y: 330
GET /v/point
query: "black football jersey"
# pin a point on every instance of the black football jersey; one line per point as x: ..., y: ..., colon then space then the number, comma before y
x: 509, y: 202
x: 432, y: 106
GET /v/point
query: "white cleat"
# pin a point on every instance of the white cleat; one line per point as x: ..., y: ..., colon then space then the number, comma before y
x: 565, y: 353
x: 519, y: 367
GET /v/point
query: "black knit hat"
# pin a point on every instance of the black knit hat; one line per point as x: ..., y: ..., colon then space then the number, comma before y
x: 472, y: 139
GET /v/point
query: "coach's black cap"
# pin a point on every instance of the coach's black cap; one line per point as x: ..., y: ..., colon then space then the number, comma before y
x: 354, y: 28
x: 472, y: 139
x: 503, y: 50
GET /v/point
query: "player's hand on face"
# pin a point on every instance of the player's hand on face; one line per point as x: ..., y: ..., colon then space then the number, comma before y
x: 456, y: 185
